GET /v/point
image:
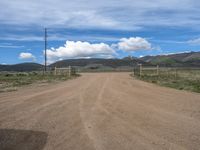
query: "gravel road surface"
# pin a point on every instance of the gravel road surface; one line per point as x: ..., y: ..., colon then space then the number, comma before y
x: 100, y: 111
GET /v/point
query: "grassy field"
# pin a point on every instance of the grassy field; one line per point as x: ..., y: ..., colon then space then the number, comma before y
x: 11, y: 81
x: 182, y: 79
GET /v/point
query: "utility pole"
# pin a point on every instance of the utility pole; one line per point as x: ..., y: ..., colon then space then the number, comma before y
x: 45, y: 53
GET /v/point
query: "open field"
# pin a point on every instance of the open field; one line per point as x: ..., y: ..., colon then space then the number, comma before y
x: 12, y: 81
x: 100, y: 111
x: 178, y: 78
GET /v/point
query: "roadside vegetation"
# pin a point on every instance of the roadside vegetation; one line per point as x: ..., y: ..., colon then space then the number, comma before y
x: 182, y: 78
x: 10, y: 81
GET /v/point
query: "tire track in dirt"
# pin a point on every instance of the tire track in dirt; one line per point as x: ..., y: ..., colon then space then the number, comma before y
x: 85, y: 113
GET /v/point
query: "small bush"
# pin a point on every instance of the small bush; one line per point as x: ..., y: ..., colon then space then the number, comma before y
x: 22, y: 74
x: 8, y: 75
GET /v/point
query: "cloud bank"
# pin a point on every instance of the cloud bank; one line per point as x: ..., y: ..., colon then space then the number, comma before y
x: 126, y: 14
x: 79, y: 49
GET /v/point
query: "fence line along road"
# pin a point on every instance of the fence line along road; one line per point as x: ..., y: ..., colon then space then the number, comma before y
x: 65, y: 71
x: 140, y: 69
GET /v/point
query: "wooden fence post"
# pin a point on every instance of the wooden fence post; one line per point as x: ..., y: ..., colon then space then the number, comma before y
x: 69, y: 73
x: 176, y: 73
x: 55, y: 71
x: 157, y: 70
x: 140, y: 70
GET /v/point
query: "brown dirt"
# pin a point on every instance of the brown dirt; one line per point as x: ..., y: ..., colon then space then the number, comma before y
x: 102, y: 111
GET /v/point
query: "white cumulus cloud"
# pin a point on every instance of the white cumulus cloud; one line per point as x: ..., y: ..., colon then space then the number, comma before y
x: 134, y: 44
x: 79, y: 49
x: 26, y: 56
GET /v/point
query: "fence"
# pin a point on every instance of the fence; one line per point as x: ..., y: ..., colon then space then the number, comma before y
x: 140, y: 70
x: 172, y: 72
x: 69, y: 71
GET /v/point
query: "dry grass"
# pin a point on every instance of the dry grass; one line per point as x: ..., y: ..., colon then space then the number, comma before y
x: 11, y: 81
x: 183, y: 79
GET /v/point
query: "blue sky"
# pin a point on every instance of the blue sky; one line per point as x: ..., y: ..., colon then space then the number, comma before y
x: 90, y: 28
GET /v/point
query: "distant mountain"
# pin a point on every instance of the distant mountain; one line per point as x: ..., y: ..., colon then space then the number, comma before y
x: 22, y: 67
x: 113, y: 63
x: 130, y: 58
x: 94, y: 63
x: 191, y: 59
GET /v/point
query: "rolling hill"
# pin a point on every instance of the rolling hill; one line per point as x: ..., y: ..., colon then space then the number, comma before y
x: 94, y: 63
x: 112, y: 63
x: 22, y: 67
x: 191, y: 59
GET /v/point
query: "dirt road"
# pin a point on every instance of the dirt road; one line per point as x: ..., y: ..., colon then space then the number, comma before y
x: 104, y: 111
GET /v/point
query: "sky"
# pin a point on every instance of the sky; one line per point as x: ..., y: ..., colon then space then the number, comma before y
x: 96, y: 29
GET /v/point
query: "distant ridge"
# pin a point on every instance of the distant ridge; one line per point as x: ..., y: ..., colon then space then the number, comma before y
x: 93, y: 63
x: 22, y: 67
x: 113, y: 63
x: 189, y: 59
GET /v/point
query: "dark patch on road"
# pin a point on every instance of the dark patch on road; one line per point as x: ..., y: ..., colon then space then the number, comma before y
x: 11, y: 139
